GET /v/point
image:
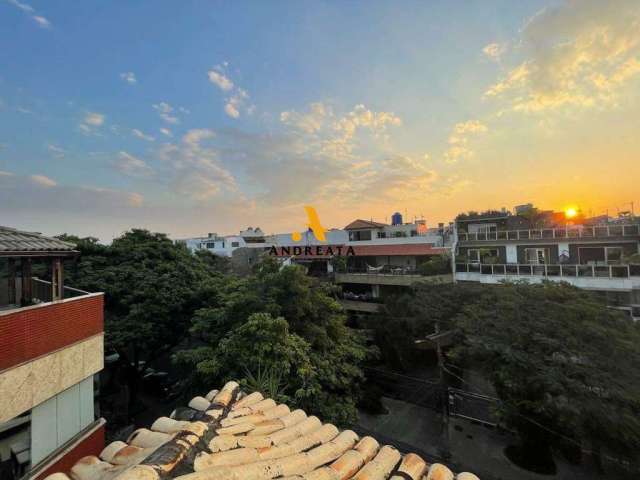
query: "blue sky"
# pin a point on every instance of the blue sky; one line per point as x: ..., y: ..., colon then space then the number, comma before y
x: 197, y: 116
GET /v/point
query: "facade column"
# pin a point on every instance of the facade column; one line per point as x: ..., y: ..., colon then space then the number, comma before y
x: 27, y: 294
x: 57, y: 287
x: 11, y: 280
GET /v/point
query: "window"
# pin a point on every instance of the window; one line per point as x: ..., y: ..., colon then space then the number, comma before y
x: 473, y: 256
x: 382, y: 235
x: 359, y: 235
x: 211, y: 245
x: 613, y: 255
x: 536, y: 256
x: 235, y: 244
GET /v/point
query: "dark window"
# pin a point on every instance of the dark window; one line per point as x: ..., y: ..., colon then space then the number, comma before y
x: 235, y: 244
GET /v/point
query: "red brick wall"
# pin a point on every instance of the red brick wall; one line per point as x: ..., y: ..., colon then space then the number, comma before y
x: 92, y: 444
x: 28, y: 333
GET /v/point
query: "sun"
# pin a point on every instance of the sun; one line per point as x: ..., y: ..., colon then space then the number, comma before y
x: 570, y: 212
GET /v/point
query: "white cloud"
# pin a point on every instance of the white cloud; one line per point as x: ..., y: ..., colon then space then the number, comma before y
x: 237, y: 96
x: 575, y: 54
x: 219, y: 79
x: 195, y: 168
x: 129, y: 77
x: 43, y: 181
x: 93, y: 118
x: 56, y: 151
x: 132, y: 166
x: 165, y: 111
x: 166, y: 132
x: 494, y: 51
x: 26, y: 111
x: 91, y: 122
x: 29, y: 10
x: 459, y: 139
x: 143, y: 136
x: 43, y: 22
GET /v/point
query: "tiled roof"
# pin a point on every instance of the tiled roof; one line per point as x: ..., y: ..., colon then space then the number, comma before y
x: 357, y: 224
x: 401, y: 249
x: 15, y: 241
x: 228, y: 435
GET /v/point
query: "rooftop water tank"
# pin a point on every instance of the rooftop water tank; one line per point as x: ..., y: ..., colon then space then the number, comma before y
x: 396, y: 219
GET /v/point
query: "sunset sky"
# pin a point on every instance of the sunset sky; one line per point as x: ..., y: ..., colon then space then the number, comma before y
x: 203, y: 116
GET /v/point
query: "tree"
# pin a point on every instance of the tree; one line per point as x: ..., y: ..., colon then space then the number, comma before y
x: 152, y: 287
x: 560, y: 361
x: 563, y: 365
x: 281, y: 320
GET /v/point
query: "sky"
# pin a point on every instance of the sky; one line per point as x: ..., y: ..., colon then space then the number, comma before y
x: 207, y: 116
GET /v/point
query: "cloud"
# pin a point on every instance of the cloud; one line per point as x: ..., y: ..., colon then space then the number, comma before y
x: 459, y: 139
x: 92, y: 121
x: 576, y: 54
x: 40, y: 195
x: 165, y: 111
x: 237, y: 96
x: 143, y: 136
x: 129, y: 77
x: 166, y: 132
x: 56, y: 151
x: 29, y: 10
x: 219, y: 79
x: 43, y: 181
x: 132, y: 166
x: 95, y: 119
x: 40, y: 20
x: 194, y: 168
x: 494, y: 51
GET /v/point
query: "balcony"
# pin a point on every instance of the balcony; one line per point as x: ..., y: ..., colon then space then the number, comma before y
x: 389, y: 276
x: 360, y: 306
x: 596, y: 277
x: 48, y: 347
x: 567, y: 233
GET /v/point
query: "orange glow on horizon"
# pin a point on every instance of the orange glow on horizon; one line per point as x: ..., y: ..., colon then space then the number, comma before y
x: 570, y: 212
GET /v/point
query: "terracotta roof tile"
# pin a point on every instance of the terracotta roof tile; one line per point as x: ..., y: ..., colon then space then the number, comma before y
x: 228, y: 435
x: 16, y: 241
x: 358, y: 224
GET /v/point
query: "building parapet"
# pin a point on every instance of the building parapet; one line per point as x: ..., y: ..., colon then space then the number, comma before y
x: 605, y: 277
x: 577, y: 232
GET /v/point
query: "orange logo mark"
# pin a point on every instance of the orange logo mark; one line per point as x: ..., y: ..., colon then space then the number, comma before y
x: 314, y: 224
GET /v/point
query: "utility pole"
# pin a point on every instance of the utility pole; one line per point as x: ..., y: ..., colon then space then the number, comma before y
x: 444, y: 395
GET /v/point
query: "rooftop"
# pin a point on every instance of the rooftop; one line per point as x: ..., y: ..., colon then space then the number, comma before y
x: 16, y: 242
x: 359, y: 223
x: 229, y: 435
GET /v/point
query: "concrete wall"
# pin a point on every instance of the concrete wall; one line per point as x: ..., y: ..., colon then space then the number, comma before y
x: 25, y: 386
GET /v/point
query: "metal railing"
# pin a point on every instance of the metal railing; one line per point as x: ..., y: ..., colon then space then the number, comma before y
x: 42, y: 291
x: 601, y: 231
x: 551, y: 270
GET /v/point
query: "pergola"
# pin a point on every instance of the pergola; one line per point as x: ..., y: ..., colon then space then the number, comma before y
x: 21, y: 249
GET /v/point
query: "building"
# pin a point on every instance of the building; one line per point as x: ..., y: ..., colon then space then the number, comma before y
x: 51, y: 348
x: 226, y: 245
x: 595, y: 254
x: 228, y: 435
x: 379, y: 259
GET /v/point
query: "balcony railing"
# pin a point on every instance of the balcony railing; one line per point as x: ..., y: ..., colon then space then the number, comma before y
x: 42, y: 291
x: 601, y: 231
x: 555, y: 270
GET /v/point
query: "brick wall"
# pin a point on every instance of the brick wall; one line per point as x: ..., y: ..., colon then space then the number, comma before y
x: 30, y: 332
x: 91, y: 444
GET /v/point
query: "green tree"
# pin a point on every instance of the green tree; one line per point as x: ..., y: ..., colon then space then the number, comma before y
x: 305, y: 339
x: 152, y: 287
x: 560, y: 361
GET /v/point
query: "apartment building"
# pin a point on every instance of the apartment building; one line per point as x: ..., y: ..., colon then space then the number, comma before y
x: 598, y: 254
x: 51, y: 348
